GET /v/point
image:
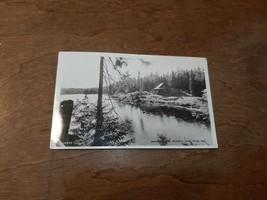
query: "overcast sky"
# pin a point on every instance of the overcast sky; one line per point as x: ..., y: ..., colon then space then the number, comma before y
x: 81, y: 69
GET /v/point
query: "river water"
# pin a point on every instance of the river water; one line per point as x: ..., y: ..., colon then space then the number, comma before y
x: 147, y: 125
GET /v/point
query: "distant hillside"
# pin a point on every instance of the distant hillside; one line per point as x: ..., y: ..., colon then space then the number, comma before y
x: 81, y: 90
x: 73, y: 90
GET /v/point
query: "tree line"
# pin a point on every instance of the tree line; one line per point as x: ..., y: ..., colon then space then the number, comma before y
x: 189, y: 81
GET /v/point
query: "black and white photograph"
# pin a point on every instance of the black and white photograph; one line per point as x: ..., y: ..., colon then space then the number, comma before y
x: 111, y: 100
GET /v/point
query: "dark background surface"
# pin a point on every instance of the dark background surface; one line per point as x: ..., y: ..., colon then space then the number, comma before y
x: 231, y: 34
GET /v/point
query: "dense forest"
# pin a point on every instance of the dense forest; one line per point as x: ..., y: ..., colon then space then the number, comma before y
x: 188, y: 81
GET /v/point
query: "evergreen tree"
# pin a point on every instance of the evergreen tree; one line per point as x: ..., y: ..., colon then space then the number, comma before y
x: 83, y: 124
x: 115, y: 131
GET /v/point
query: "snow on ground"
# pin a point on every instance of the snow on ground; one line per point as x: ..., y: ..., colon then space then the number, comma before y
x: 198, y: 105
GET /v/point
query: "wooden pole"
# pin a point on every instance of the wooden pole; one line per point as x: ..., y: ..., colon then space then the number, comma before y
x: 99, y: 114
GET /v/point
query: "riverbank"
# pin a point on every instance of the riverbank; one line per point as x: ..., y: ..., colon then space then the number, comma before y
x: 194, y: 108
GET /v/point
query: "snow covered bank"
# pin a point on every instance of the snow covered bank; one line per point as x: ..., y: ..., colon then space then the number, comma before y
x: 194, y: 107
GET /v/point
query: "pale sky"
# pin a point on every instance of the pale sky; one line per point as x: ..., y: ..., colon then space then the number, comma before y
x: 81, y: 69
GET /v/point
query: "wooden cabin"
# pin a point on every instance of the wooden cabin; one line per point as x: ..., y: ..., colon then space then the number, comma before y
x: 163, y: 89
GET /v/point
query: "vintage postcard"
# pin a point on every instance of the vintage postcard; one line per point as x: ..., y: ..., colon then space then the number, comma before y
x: 110, y: 100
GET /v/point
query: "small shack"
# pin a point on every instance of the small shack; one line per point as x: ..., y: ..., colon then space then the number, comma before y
x: 162, y: 89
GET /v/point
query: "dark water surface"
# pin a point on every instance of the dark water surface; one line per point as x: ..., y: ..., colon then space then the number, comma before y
x: 146, y: 125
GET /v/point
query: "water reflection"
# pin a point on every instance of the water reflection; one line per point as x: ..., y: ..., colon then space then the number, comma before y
x: 148, y: 122
x: 142, y: 123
